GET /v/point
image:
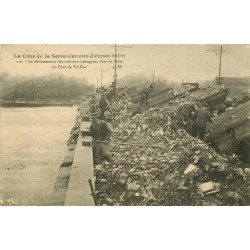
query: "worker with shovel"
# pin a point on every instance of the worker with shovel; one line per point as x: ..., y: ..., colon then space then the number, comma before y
x: 101, y: 135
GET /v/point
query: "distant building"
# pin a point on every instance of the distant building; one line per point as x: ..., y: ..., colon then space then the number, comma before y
x: 237, y: 85
x: 236, y: 82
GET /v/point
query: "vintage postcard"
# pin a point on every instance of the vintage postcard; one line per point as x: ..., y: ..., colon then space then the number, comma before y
x: 125, y: 125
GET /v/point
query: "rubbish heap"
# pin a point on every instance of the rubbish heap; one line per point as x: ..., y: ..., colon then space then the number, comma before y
x: 156, y: 162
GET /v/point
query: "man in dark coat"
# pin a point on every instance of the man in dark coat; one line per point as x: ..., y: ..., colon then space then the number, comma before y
x: 188, y: 110
x: 147, y: 90
x: 102, y: 105
x: 101, y: 135
x: 202, y: 116
x: 144, y: 97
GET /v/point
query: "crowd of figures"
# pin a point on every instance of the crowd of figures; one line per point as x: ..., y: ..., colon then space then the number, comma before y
x: 194, y: 114
x: 101, y: 127
x: 154, y: 158
x: 102, y: 115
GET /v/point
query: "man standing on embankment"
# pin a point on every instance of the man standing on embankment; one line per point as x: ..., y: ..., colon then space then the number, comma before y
x: 101, y: 134
x: 201, y: 116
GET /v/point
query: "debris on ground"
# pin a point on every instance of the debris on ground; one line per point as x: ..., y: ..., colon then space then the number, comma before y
x: 173, y: 168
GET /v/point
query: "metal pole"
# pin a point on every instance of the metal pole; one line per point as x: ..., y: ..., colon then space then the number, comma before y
x: 115, y: 67
x: 221, y: 51
x: 154, y: 78
x: 115, y: 76
x: 220, y: 66
x: 101, y: 77
x: 93, y: 192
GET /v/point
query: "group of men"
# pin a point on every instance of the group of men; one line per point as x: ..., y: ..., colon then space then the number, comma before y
x: 103, y: 106
x: 102, y: 116
x: 196, y: 115
x: 101, y: 126
x: 195, y: 118
x: 101, y: 134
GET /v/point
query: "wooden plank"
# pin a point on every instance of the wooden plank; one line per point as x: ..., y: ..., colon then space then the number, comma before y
x: 153, y: 94
x: 229, y: 120
x: 85, y: 128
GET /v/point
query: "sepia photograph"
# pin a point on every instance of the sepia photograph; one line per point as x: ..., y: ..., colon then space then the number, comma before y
x: 125, y: 125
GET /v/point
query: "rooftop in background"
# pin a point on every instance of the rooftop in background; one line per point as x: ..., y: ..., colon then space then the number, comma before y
x: 230, y: 82
x: 237, y: 85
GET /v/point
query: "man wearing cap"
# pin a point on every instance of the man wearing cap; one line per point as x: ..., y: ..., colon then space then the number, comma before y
x: 201, y: 116
x: 101, y: 135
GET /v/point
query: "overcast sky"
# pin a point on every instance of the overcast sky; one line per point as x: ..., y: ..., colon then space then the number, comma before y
x: 176, y: 63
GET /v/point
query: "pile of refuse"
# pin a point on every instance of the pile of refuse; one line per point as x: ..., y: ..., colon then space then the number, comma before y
x: 156, y: 162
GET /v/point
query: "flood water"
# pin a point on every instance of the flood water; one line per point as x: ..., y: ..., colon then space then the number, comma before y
x: 33, y: 144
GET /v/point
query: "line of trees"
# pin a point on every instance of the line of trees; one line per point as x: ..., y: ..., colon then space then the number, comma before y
x: 49, y: 87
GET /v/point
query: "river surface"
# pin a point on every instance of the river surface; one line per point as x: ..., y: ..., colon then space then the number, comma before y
x: 32, y: 147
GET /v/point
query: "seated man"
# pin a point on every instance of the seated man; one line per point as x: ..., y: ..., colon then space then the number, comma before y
x: 101, y: 135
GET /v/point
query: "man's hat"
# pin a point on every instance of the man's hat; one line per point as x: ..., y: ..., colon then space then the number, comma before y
x: 95, y: 115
